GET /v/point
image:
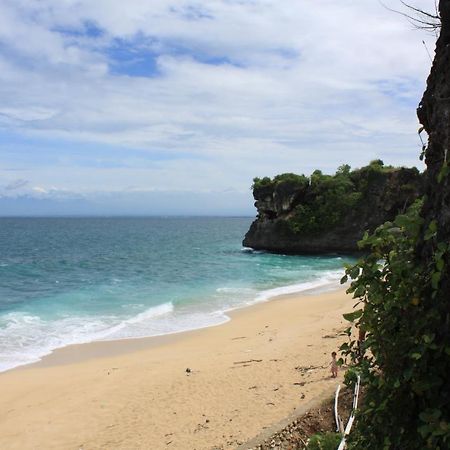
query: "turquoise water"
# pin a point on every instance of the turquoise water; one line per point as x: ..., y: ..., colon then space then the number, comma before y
x: 74, y: 280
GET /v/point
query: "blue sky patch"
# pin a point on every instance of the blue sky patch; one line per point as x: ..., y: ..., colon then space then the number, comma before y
x: 403, y: 91
x: 88, y: 29
x: 139, y: 57
x: 134, y: 58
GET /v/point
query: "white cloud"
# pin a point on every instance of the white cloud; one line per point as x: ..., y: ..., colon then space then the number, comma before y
x: 39, y: 190
x: 300, y: 85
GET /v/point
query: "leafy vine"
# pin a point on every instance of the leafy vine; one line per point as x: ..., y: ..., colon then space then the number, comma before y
x: 402, y: 351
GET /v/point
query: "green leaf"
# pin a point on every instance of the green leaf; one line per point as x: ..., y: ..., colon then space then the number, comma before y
x: 402, y: 220
x: 431, y: 230
x: 351, y: 317
x: 433, y: 226
x: 360, y: 291
x: 354, y: 272
x: 435, y: 278
x: 430, y: 415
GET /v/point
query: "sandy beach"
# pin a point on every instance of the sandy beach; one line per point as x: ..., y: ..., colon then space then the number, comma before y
x: 244, y: 376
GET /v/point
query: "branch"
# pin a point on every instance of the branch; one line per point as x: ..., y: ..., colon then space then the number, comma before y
x: 423, y: 20
x: 422, y: 12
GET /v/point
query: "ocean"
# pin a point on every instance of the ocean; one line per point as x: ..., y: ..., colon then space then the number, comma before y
x: 76, y: 280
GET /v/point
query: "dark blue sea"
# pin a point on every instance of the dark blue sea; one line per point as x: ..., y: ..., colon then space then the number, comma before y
x: 74, y: 280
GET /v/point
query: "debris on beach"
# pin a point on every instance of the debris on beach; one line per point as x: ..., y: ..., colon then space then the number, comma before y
x: 307, y: 369
x: 248, y: 361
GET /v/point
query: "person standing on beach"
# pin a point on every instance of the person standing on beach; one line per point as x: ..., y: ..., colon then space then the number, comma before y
x: 334, y: 366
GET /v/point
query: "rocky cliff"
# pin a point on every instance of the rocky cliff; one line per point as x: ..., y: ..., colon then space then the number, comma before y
x: 328, y: 214
x: 434, y: 115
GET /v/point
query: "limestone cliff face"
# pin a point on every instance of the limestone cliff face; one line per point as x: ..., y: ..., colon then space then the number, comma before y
x: 434, y: 115
x: 383, y: 196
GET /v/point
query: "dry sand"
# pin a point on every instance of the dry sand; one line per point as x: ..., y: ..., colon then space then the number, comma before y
x: 245, y: 376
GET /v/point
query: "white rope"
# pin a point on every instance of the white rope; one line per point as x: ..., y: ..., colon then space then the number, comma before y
x: 339, y: 424
x: 352, y: 415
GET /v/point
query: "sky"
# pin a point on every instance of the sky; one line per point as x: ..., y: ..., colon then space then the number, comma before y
x: 172, y: 107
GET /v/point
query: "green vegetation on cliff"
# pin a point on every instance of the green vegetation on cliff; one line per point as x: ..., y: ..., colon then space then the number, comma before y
x: 326, y: 200
x: 403, y: 351
x: 329, y: 213
x: 285, y: 178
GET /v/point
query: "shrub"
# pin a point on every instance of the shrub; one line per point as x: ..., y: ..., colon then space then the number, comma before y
x: 351, y: 377
x: 329, y: 199
x: 405, y: 372
x: 261, y: 182
x: 324, y: 441
x: 291, y: 178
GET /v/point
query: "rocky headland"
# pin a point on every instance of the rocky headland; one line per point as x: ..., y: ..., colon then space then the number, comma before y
x: 329, y: 213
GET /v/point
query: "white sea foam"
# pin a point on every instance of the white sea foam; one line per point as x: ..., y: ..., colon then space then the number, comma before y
x: 328, y: 280
x: 172, y: 324
x: 234, y: 290
x: 26, y: 338
x: 251, y: 250
x: 144, y: 317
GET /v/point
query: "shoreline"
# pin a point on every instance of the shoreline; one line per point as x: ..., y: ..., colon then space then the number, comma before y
x: 245, y: 375
x: 114, y: 347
